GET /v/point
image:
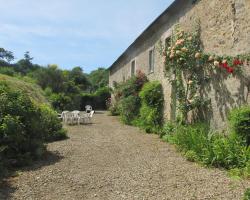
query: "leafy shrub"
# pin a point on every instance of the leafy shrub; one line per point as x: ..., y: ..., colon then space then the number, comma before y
x: 126, y: 98
x: 128, y: 88
x: 75, y: 103
x: 113, y: 109
x: 20, y: 130
x: 151, y: 111
x: 239, y: 119
x: 97, y: 100
x: 131, y: 87
x: 7, y: 71
x: 129, y: 108
x: 191, y: 137
x: 247, y: 194
x: 24, y: 128
x: 241, y: 172
x: 213, y: 149
x: 151, y: 94
x: 48, y: 91
x: 100, y: 97
x: 229, y: 152
x: 59, y: 101
x: 87, y: 98
x: 191, y: 156
x: 78, y: 101
x: 51, y: 125
x: 167, y: 129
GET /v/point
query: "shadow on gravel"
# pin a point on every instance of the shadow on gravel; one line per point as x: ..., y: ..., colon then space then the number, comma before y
x: 6, y: 189
x: 7, y: 183
x: 49, y: 158
x: 89, y: 124
x: 99, y: 112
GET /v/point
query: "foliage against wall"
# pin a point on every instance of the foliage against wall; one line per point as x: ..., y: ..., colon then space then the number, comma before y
x: 126, y: 98
x: 188, y: 68
x: 151, y: 111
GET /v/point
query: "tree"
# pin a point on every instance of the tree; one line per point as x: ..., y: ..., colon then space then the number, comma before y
x: 27, y: 57
x: 25, y: 65
x: 51, y: 77
x: 5, y: 57
x: 79, y: 78
x: 99, y: 78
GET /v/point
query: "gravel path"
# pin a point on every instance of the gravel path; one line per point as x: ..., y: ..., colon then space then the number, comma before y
x: 111, y: 161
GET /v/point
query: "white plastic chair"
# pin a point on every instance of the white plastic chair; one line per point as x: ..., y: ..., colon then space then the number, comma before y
x: 62, y: 115
x: 82, y: 118
x: 88, y: 108
x: 69, y: 118
x: 90, y: 116
x: 75, y: 116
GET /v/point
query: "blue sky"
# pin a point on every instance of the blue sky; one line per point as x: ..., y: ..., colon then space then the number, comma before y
x: 86, y: 33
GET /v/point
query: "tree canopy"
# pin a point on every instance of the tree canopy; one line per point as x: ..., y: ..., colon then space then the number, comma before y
x: 64, y: 88
x: 99, y: 78
x: 5, y: 57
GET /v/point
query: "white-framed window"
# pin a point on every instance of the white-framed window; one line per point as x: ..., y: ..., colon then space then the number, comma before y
x: 151, y: 60
x: 133, y: 66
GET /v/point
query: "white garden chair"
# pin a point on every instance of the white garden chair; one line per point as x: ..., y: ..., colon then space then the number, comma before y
x: 82, y: 118
x: 75, y: 116
x: 90, y: 116
x: 62, y: 115
x: 88, y: 108
x: 69, y: 118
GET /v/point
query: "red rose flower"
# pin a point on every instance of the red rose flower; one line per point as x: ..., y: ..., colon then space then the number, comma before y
x: 224, y: 65
x: 237, y: 62
x: 230, y: 70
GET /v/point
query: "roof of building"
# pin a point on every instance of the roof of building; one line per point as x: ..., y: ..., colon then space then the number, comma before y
x: 158, y: 22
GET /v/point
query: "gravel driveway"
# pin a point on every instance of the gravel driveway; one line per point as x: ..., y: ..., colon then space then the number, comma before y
x: 111, y: 161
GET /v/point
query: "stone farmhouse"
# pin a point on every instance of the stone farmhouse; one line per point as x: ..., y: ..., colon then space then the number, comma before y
x: 225, y: 30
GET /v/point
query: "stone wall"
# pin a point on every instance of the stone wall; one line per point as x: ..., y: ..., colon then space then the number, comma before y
x: 225, y: 30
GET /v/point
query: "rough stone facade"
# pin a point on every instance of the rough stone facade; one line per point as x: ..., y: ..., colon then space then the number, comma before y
x: 225, y: 30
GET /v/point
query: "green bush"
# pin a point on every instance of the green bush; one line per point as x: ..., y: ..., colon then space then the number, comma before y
x: 151, y: 111
x: 51, y: 125
x: 114, y: 109
x: 20, y: 130
x: 152, y: 95
x: 126, y: 96
x: 7, y: 71
x: 247, y: 194
x: 191, y: 137
x: 191, y: 156
x: 241, y: 172
x: 24, y: 128
x: 199, y: 144
x: 129, y: 109
x: 59, y: 101
x: 100, y: 97
x: 239, y: 119
x: 228, y: 152
x: 128, y: 88
x: 48, y: 92
x: 131, y: 87
x: 167, y: 129
x: 97, y: 100
x: 75, y: 103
